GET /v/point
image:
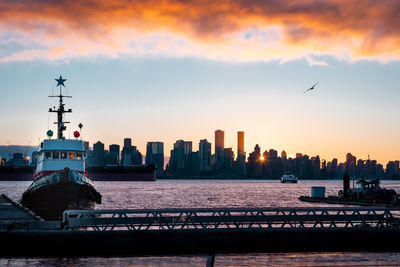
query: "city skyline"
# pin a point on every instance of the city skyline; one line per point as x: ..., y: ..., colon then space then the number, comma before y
x: 233, y: 146
x: 157, y: 72
x: 127, y: 142
x: 184, y: 161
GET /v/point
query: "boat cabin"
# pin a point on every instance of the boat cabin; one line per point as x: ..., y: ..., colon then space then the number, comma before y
x: 58, y: 154
x: 365, y: 184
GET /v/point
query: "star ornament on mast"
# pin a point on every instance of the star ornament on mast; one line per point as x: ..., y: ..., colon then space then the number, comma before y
x: 60, y: 81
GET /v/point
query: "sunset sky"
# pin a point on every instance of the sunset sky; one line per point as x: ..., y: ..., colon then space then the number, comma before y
x: 169, y: 70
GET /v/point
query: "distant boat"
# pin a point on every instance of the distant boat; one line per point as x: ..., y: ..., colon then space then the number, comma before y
x: 288, y: 177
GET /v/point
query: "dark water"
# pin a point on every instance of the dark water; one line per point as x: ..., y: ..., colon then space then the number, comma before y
x: 210, y: 194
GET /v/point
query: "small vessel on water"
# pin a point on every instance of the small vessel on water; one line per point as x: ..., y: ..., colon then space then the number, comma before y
x: 288, y: 177
x: 368, y: 190
x: 366, y: 193
x: 60, y: 181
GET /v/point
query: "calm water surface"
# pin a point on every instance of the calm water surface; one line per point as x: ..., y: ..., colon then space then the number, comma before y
x: 209, y: 194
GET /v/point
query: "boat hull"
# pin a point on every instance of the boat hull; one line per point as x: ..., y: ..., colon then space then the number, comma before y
x: 122, y: 173
x: 288, y: 181
x: 51, y: 195
x: 342, y: 201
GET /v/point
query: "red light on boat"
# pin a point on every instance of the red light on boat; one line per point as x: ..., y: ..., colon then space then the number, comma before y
x: 76, y: 134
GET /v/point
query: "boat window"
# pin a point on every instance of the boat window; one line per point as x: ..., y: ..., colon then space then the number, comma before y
x: 71, y: 155
x: 47, y: 154
x: 63, y: 155
x: 56, y: 155
x: 78, y: 155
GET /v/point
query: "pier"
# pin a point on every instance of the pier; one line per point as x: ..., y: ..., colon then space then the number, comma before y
x: 13, y: 216
x: 198, y: 231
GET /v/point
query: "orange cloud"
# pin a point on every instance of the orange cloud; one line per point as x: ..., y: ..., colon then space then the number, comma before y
x: 228, y: 30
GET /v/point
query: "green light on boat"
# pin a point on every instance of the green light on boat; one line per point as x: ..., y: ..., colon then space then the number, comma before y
x: 49, y: 133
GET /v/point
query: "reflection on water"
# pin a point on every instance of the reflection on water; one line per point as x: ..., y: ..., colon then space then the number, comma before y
x: 264, y: 259
x: 209, y: 194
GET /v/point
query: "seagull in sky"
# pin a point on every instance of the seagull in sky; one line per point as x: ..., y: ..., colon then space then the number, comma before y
x: 311, y: 88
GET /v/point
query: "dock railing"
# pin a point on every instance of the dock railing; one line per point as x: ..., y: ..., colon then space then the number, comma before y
x: 235, y: 218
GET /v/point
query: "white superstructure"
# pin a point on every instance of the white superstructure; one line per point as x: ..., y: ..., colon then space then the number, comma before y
x: 58, y: 154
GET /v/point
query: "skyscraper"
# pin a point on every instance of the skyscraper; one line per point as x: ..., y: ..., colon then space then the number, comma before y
x: 155, y: 155
x: 130, y: 155
x: 204, y: 155
x: 98, y: 151
x: 127, y: 142
x: 113, y: 155
x: 219, y: 147
x: 240, y: 144
x: 177, y: 159
x: 228, y: 160
x: 86, y: 145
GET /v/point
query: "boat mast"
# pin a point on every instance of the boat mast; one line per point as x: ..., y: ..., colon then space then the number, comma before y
x: 61, y: 110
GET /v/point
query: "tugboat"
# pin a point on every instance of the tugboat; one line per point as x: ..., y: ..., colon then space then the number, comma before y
x: 288, y: 177
x: 60, y: 181
x: 365, y: 193
x: 368, y: 190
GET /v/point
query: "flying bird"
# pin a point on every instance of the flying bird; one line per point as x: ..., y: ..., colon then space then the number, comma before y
x: 311, y: 88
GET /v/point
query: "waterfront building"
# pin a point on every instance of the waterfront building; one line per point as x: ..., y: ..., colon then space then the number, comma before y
x: 241, y: 154
x: 323, y: 169
x: 34, y: 158
x: 89, y: 158
x: 180, y: 162
x: 188, y: 149
x: 155, y: 156
x: 17, y: 159
x: 98, y: 152
x: 254, y: 162
x: 360, y: 168
x: 390, y: 170
x: 240, y: 145
x: 127, y: 143
x: 195, y: 163
x: 350, y: 165
x: 130, y: 155
x: 316, y: 166
x: 86, y: 145
x: 204, y: 155
x: 178, y: 157
x: 332, y: 168
x: 219, y: 147
x: 227, y: 166
x: 113, y: 155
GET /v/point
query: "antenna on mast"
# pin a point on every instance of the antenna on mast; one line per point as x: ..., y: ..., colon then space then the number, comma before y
x: 61, y: 110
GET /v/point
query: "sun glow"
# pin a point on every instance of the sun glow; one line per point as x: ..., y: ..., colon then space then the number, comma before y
x: 261, y: 158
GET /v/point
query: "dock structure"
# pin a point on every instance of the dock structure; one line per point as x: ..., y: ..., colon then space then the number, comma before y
x: 13, y: 216
x: 205, y: 231
x: 204, y: 219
